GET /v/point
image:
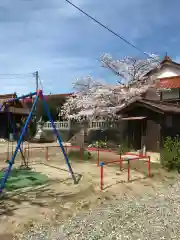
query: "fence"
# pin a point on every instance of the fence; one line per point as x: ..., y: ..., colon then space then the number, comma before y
x: 127, y: 157
x: 63, y: 125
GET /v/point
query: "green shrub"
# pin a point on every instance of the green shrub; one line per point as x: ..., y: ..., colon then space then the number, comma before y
x: 170, y: 154
x: 123, y: 148
x: 99, y: 144
x: 85, y: 155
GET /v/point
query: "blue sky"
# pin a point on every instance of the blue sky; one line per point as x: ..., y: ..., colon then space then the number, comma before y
x: 62, y: 44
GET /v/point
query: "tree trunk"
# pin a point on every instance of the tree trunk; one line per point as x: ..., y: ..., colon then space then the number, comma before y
x: 84, y: 131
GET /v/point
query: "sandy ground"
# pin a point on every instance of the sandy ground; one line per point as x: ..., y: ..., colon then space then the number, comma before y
x: 24, y: 208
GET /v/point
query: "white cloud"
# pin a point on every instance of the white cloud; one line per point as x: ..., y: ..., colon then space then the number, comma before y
x: 59, y: 41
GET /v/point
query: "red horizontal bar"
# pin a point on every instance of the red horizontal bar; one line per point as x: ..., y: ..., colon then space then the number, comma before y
x: 72, y: 147
x: 34, y: 147
x: 104, y: 150
x: 100, y: 149
x: 92, y: 149
x: 132, y: 159
x: 134, y: 154
x: 129, y: 153
x: 105, y: 163
x: 138, y: 158
x: 123, y: 160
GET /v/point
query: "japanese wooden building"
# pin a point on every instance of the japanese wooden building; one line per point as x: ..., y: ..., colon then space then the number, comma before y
x: 156, y: 114
x: 150, y: 122
x: 55, y: 100
x: 16, y: 111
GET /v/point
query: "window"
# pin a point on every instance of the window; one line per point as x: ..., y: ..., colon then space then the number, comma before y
x: 168, y: 121
x: 170, y: 94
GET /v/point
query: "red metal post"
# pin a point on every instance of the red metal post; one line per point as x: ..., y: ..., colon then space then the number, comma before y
x: 81, y: 153
x: 128, y: 170
x: 149, y: 166
x: 120, y: 162
x: 46, y: 154
x: 102, y: 176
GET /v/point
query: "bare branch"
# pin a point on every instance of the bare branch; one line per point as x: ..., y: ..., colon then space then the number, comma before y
x: 130, y: 69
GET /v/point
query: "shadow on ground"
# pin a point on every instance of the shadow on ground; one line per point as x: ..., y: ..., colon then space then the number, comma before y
x: 41, y: 196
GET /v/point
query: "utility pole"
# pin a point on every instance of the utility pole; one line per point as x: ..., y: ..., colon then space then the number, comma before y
x: 37, y: 88
x: 37, y: 79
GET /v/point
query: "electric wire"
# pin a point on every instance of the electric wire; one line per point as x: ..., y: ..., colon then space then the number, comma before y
x: 107, y: 28
x: 15, y: 74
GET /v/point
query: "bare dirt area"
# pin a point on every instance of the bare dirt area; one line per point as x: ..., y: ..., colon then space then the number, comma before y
x: 60, y: 198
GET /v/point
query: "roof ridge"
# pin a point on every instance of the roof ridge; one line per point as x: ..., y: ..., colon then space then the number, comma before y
x: 161, y: 102
x: 169, y: 77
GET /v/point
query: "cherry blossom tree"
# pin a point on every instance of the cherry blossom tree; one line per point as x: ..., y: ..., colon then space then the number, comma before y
x: 94, y: 99
x: 130, y: 69
x: 84, y: 84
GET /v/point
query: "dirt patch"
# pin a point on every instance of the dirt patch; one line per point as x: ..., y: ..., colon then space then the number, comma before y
x: 6, y: 236
x: 61, y: 198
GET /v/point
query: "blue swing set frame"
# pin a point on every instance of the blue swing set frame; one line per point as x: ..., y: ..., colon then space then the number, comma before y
x: 39, y: 95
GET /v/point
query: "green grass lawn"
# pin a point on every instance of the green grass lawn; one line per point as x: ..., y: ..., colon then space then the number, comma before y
x: 20, y: 178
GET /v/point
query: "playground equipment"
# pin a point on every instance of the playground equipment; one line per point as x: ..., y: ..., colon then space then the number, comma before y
x: 37, y: 95
x: 127, y: 157
x: 14, y: 135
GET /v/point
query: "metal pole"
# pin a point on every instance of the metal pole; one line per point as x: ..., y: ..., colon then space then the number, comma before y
x: 37, y: 78
x: 120, y: 162
x: 11, y: 162
x: 102, y: 175
x: 14, y: 133
x: 1, y: 106
x: 22, y: 97
x: 58, y: 137
x: 46, y: 154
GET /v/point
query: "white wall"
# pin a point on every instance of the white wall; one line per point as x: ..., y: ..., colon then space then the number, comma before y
x: 168, y: 71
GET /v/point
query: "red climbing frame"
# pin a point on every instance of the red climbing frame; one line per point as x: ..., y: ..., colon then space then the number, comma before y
x: 127, y: 157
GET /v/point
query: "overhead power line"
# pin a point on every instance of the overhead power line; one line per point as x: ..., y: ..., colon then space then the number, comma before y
x: 15, y: 74
x: 107, y: 28
x: 15, y: 77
